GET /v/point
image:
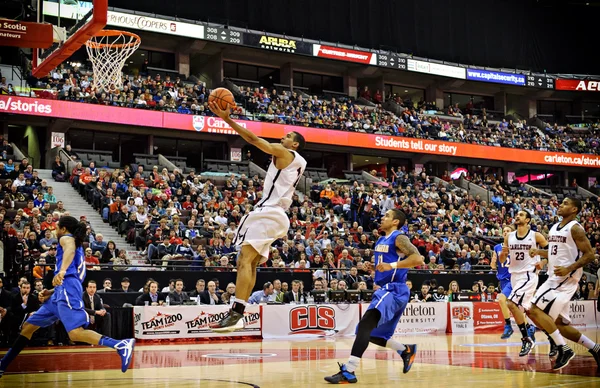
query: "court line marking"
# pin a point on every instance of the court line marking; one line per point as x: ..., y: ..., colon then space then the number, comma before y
x: 152, y: 379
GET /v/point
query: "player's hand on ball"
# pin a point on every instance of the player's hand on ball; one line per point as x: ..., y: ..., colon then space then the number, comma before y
x: 561, y: 271
x: 218, y: 111
x: 382, y: 267
x: 44, y: 295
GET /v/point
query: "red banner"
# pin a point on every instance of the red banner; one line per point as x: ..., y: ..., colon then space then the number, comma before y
x: 25, y: 34
x: 577, y: 85
x: 344, y: 54
x: 487, y: 317
x: 213, y: 125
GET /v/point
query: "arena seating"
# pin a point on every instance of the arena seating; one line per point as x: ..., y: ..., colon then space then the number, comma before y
x: 332, y: 110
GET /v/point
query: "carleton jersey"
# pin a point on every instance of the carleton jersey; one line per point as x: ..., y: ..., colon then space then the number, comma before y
x: 280, y: 184
x: 518, y: 249
x: 562, y: 249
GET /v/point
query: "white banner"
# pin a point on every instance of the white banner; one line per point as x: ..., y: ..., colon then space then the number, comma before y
x: 460, y: 317
x: 236, y: 154
x: 420, y: 318
x: 57, y: 139
x: 300, y: 321
x: 436, y: 68
x: 126, y: 20
x: 174, y: 322
x: 583, y: 313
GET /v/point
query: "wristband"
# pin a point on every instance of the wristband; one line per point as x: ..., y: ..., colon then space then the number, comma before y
x: 394, y: 265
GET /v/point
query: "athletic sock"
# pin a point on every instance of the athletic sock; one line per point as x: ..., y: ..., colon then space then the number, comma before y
x: 558, y: 339
x: 585, y: 341
x: 108, y: 342
x: 352, y: 364
x: 239, y: 306
x: 397, y: 346
x: 507, y: 321
x: 13, y: 352
x: 523, y: 330
x: 552, y: 343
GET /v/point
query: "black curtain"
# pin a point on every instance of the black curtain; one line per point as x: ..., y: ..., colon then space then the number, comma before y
x: 527, y: 34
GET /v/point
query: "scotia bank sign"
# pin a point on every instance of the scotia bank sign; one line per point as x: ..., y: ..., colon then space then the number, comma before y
x: 577, y: 85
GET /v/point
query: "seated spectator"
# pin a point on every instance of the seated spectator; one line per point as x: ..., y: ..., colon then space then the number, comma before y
x: 91, y: 262
x: 125, y: 285
x: 424, y: 295
x: 98, y: 245
x: 41, y: 269
x: 178, y: 296
x: 152, y: 298
x: 262, y: 296
x: 293, y: 295
x: 122, y: 262
x: 210, y: 295
x: 200, y: 287
x: 229, y: 295
x: 100, y: 320
x: 58, y: 170
x: 106, y: 285
x: 110, y: 253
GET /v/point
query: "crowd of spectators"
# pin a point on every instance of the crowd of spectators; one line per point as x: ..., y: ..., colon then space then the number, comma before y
x: 418, y: 120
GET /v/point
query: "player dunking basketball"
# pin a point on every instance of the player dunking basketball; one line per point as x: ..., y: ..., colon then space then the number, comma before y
x: 268, y: 221
x: 523, y: 273
x: 65, y: 302
x: 394, y: 256
x: 550, y: 309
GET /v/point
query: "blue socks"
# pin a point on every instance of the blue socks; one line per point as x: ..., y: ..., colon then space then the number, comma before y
x: 108, y: 342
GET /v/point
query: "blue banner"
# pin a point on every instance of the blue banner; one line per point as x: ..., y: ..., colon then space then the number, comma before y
x: 496, y: 77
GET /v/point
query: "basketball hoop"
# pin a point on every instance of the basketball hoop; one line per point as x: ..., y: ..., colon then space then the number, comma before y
x: 108, y: 50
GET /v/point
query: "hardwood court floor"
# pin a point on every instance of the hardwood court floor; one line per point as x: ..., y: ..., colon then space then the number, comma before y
x: 442, y: 360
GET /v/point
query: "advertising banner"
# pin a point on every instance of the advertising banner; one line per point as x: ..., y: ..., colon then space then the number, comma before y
x: 127, y: 20
x: 236, y: 154
x: 214, y: 125
x: 301, y: 321
x: 460, y: 317
x: 25, y: 34
x: 487, y: 317
x: 435, y: 68
x: 421, y: 318
x: 175, y: 322
x: 577, y: 85
x: 284, y: 45
x: 344, y: 54
x: 583, y: 314
x: 496, y: 77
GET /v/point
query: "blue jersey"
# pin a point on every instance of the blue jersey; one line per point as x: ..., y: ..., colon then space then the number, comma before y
x: 502, y: 268
x: 77, y: 267
x: 386, y: 252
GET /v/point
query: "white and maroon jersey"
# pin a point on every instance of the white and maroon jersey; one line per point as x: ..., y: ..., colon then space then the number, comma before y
x: 518, y: 248
x: 562, y: 249
x: 280, y: 184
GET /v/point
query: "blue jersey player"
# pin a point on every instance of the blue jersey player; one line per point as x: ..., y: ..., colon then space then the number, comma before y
x: 394, y: 255
x: 65, y: 301
x: 503, y: 277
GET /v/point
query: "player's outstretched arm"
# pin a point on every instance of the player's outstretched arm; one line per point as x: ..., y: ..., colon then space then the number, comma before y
x: 504, y: 252
x: 543, y: 244
x: 274, y: 149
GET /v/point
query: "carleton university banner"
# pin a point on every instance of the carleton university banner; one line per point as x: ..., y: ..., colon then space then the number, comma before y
x: 300, y: 321
x: 420, y: 318
x: 174, y: 322
x: 583, y: 314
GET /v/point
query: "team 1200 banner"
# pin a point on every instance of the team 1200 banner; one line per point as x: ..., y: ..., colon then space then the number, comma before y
x: 175, y: 322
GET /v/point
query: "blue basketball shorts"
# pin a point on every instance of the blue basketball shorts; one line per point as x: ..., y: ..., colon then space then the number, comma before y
x: 66, y: 305
x: 505, y: 287
x: 390, y: 300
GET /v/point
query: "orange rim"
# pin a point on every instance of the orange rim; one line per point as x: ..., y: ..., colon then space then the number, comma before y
x: 104, y: 33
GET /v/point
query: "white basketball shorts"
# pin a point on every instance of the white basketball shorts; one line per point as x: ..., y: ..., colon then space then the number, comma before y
x: 260, y: 228
x: 554, y: 296
x: 523, y: 288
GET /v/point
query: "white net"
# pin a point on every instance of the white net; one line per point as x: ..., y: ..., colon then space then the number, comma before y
x: 108, y: 51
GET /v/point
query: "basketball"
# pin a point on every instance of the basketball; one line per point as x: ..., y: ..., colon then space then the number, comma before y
x: 223, y: 98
